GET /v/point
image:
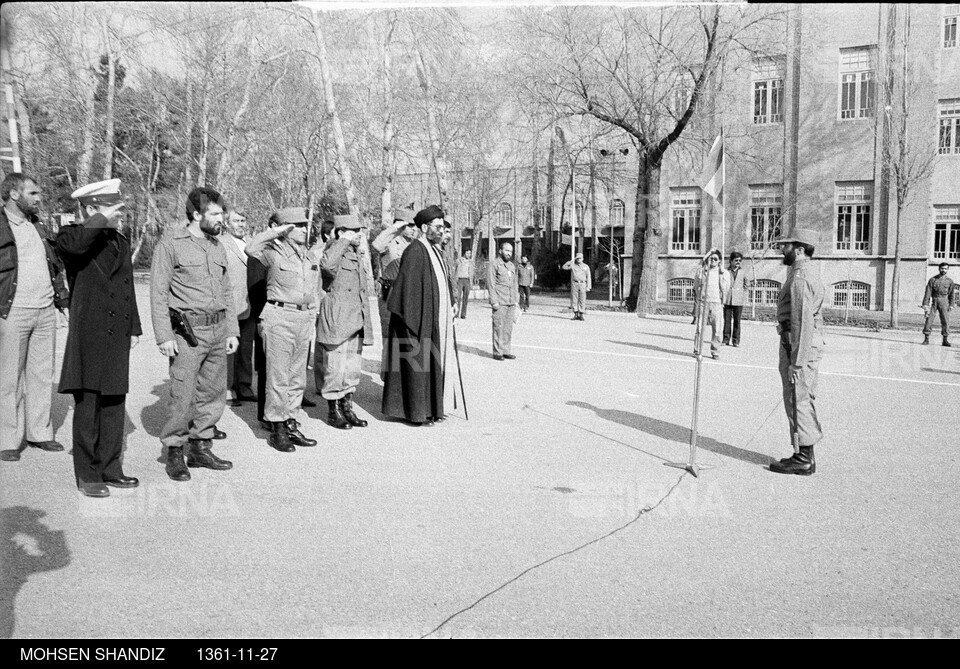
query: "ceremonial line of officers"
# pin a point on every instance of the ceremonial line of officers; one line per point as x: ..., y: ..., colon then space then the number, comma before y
x: 216, y: 296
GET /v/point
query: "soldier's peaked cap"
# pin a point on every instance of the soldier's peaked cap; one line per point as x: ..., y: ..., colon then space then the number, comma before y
x: 403, y: 215
x: 289, y: 215
x: 802, y: 236
x: 346, y: 222
x: 102, y: 192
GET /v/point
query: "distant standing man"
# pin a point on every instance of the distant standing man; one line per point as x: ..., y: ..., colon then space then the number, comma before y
x: 581, y: 283
x: 195, y: 324
x: 800, y: 325
x: 464, y: 281
x: 287, y: 322
x: 345, y: 325
x: 504, y: 299
x: 527, y: 276
x: 390, y: 245
x: 936, y: 299
x: 712, y: 284
x: 733, y: 300
x: 104, y: 327
x: 31, y: 289
x: 240, y: 364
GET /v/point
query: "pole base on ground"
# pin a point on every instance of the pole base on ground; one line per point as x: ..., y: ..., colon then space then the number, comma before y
x: 691, y: 467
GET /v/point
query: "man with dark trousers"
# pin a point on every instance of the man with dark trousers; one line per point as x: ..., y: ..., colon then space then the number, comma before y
x: 936, y: 300
x: 104, y: 327
x: 733, y: 300
x: 195, y: 324
x: 240, y: 364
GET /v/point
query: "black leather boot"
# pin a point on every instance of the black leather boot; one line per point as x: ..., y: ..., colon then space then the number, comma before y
x: 346, y: 408
x: 279, y: 439
x: 199, y: 455
x: 946, y: 342
x: 336, y: 418
x: 296, y: 436
x: 802, y: 463
x: 176, y: 469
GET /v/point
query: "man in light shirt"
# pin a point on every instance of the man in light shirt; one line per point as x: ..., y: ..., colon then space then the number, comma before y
x: 31, y: 290
x: 712, y: 285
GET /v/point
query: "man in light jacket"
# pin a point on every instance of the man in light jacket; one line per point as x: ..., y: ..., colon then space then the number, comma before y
x: 734, y: 300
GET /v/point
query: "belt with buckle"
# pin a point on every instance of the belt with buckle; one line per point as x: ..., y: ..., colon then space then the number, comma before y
x: 206, y: 319
x: 288, y: 305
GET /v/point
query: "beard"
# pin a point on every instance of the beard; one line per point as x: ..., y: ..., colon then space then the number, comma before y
x: 789, y: 257
x: 212, y: 229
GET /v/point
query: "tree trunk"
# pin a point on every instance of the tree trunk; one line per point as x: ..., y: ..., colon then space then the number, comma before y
x: 594, y: 249
x: 535, y: 198
x: 551, y: 187
x: 432, y: 130
x: 204, y: 137
x: 389, y: 136
x: 109, y: 111
x: 223, y: 180
x: 895, y: 288
x: 85, y: 160
x: 644, y: 277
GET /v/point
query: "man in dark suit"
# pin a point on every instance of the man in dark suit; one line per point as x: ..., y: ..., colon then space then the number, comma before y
x: 240, y: 364
x: 105, y: 325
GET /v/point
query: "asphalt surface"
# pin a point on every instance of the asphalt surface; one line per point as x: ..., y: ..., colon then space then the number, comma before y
x: 550, y: 512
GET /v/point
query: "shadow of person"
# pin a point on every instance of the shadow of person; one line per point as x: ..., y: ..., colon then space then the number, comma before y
x: 673, y: 432
x: 475, y: 351
x: 59, y: 408
x: 27, y: 546
x: 658, y: 349
x: 938, y: 371
x: 154, y: 416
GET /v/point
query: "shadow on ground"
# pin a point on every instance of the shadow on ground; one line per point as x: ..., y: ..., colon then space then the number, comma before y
x: 651, y: 347
x: 673, y: 432
x: 27, y: 546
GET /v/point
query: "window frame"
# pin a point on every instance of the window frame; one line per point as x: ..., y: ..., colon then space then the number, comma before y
x: 687, y: 201
x: 766, y: 200
x: 857, y: 83
x: 946, y: 226
x: 857, y: 210
x: 770, y: 292
x: 843, y: 288
x: 768, y: 90
x: 951, y: 19
x: 617, y: 205
x: 948, y: 126
x: 504, y: 208
x: 681, y: 283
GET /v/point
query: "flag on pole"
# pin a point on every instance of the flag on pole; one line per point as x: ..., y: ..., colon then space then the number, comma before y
x: 566, y: 240
x: 714, y: 170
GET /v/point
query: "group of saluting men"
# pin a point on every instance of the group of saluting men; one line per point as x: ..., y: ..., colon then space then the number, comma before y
x: 216, y: 298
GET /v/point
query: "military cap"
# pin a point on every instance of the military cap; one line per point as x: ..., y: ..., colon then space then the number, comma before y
x: 346, y: 222
x: 403, y: 215
x: 102, y: 192
x: 801, y: 236
x: 429, y: 214
x: 290, y: 215
x: 578, y: 256
x: 735, y: 255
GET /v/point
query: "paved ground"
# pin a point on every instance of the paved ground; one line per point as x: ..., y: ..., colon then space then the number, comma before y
x: 549, y: 513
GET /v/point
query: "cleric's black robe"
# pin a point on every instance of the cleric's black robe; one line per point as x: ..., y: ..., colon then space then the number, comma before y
x: 413, y: 379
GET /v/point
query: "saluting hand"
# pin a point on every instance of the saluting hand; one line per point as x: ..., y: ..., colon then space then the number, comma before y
x: 169, y: 348
x: 796, y: 373
x: 232, y: 345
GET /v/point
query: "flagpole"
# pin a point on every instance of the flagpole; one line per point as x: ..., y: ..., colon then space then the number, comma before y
x: 723, y: 203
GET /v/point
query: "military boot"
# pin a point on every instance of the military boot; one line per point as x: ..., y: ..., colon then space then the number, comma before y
x: 336, y: 418
x: 926, y: 339
x: 176, y: 469
x: 200, y: 455
x: 346, y: 407
x: 802, y: 463
x: 296, y: 436
x: 946, y: 342
x: 279, y: 439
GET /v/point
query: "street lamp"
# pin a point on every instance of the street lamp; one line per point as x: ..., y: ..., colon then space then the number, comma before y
x: 613, y: 192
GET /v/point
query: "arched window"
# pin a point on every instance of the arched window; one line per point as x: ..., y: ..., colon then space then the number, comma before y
x: 680, y: 290
x: 504, y: 216
x: 766, y: 292
x: 540, y: 216
x: 617, y: 211
x: 857, y: 292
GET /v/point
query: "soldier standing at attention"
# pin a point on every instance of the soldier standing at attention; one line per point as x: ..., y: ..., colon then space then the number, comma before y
x: 195, y: 324
x: 800, y: 325
x: 527, y: 276
x: 936, y: 299
x: 580, y: 284
x: 287, y: 321
x: 345, y: 325
x: 504, y: 296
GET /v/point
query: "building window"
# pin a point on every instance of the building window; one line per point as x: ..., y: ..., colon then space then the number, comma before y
x: 767, y: 91
x: 854, y: 200
x: 617, y: 211
x: 857, y: 82
x: 540, y: 215
x: 766, y: 292
x: 682, y: 92
x: 504, y: 216
x: 680, y: 290
x: 852, y: 294
x: 946, y: 232
x: 685, y: 217
x: 766, y: 212
x: 950, y: 126
x: 950, y: 15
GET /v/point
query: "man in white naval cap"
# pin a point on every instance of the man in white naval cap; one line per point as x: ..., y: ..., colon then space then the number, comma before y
x: 104, y: 327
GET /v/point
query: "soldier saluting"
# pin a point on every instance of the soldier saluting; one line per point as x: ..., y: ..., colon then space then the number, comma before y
x: 800, y: 326
x: 936, y: 300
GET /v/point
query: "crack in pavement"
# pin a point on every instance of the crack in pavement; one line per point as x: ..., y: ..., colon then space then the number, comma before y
x: 642, y: 512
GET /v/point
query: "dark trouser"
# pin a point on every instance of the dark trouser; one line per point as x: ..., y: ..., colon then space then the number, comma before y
x: 939, y: 305
x: 198, y: 386
x: 260, y: 365
x: 731, y: 324
x: 524, y: 297
x: 463, y: 288
x: 98, y: 422
x: 240, y: 364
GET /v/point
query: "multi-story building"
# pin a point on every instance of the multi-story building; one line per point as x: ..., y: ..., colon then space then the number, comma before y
x: 804, y: 127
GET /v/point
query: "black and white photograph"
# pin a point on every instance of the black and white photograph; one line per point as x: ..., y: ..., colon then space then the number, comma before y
x: 476, y: 319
